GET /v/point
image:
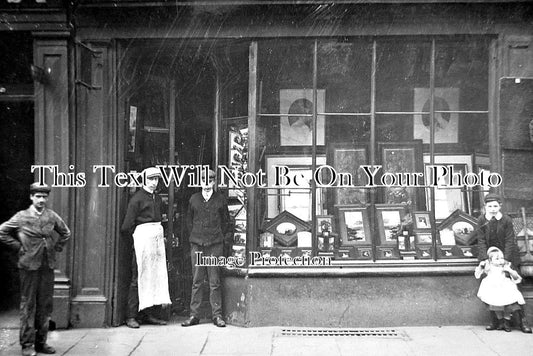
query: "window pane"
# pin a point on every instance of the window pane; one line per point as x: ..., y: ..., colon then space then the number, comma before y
x: 463, y: 64
x: 394, y: 127
x: 231, y: 63
x: 344, y: 68
x: 401, y: 66
x: 285, y: 80
x: 15, y: 57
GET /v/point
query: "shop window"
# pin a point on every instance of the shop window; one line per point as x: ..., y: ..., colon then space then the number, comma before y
x: 328, y: 108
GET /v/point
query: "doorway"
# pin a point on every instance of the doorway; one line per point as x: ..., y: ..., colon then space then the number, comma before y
x: 168, y: 91
x: 16, y: 154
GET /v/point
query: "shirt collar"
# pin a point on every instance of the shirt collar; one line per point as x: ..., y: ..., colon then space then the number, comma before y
x: 148, y: 190
x: 207, y: 195
x: 35, y: 211
x: 498, y: 216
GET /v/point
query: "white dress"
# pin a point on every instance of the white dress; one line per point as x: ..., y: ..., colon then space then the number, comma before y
x: 499, y: 290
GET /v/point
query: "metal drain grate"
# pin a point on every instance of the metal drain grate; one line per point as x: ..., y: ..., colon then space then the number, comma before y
x: 339, y: 332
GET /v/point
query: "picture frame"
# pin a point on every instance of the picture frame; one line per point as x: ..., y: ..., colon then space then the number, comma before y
x: 447, y: 200
x: 132, y: 129
x: 364, y: 253
x: 457, y: 229
x: 294, y: 198
x: 402, y: 157
x: 423, y: 252
x: 354, y: 225
x: 348, y: 158
x: 389, y: 219
x: 422, y: 220
x: 285, y: 228
x: 423, y: 237
x: 468, y: 252
x: 296, y: 130
x: 387, y: 253
x: 446, y: 120
x: 321, y: 220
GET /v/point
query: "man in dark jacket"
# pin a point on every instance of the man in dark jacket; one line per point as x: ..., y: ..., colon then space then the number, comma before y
x: 29, y: 232
x: 496, y: 230
x: 208, y: 223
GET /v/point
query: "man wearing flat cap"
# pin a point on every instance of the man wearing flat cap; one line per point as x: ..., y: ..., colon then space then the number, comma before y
x: 29, y: 232
x: 496, y: 230
x: 208, y: 224
x: 149, y: 276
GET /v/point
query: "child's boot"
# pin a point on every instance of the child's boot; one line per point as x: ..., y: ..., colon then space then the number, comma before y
x: 507, y: 325
x: 493, y: 322
x: 522, y: 321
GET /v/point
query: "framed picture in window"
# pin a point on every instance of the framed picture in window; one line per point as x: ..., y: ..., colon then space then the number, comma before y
x: 325, y: 231
x: 406, y: 158
x: 297, y: 130
x: 295, y: 197
x: 285, y: 227
x: 457, y: 229
x: 422, y: 220
x: 446, y: 119
x: 354, y: 226
x: 389, y: 220
x: 133, y: 129
x: 423, y: 237
x: 449, y: 199
x: 347, y: 159
x: 325, y: 223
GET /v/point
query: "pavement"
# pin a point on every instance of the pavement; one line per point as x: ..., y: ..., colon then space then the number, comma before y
x: 206, y: 339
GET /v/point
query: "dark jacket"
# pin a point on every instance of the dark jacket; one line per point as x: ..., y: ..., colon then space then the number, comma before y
x: 504, y: 239
x: 208, y: 221
x: 143, y: 207
x: 30, y: 233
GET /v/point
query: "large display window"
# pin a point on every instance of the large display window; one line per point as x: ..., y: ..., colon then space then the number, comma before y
x: 347, y: 132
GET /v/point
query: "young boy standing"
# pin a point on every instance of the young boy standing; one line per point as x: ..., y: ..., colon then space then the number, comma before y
x: 496, y: 229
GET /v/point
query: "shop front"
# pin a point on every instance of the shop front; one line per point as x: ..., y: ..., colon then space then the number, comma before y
x: 356, y: 143
x: 329, y: 119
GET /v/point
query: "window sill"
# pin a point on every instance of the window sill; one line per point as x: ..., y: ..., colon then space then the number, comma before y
x: 362, y: 269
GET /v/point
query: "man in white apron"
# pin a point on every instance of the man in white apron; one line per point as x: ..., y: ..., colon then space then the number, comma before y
x: 149, y: 279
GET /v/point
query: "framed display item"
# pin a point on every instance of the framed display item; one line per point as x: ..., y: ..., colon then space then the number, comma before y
x: 294, y: 198
x: 423, y: 237
x: 422, y: 220
x: 132, y: 129
x: 297, y: 130
x: 447, y: 200
x: 446, y: 119
x: 389, y: 219
x: 402, y: 157
x: 348, y: 159
x: 457, y: 229
x: 354, y: 226
x: 285, y: 227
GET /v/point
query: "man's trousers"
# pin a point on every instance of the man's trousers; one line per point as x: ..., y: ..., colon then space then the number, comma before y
x: 36, y: 304
x: 199, y: 273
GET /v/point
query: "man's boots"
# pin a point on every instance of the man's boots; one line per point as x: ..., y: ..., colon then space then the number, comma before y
x: 522, y: 322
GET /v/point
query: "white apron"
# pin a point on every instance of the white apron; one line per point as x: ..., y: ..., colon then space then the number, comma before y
x: 151, y: 265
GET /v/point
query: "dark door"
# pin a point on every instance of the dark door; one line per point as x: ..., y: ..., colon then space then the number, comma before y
x: 16, y: 147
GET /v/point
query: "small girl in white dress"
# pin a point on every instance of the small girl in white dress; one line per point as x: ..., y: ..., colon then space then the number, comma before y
x: 498, y: 289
